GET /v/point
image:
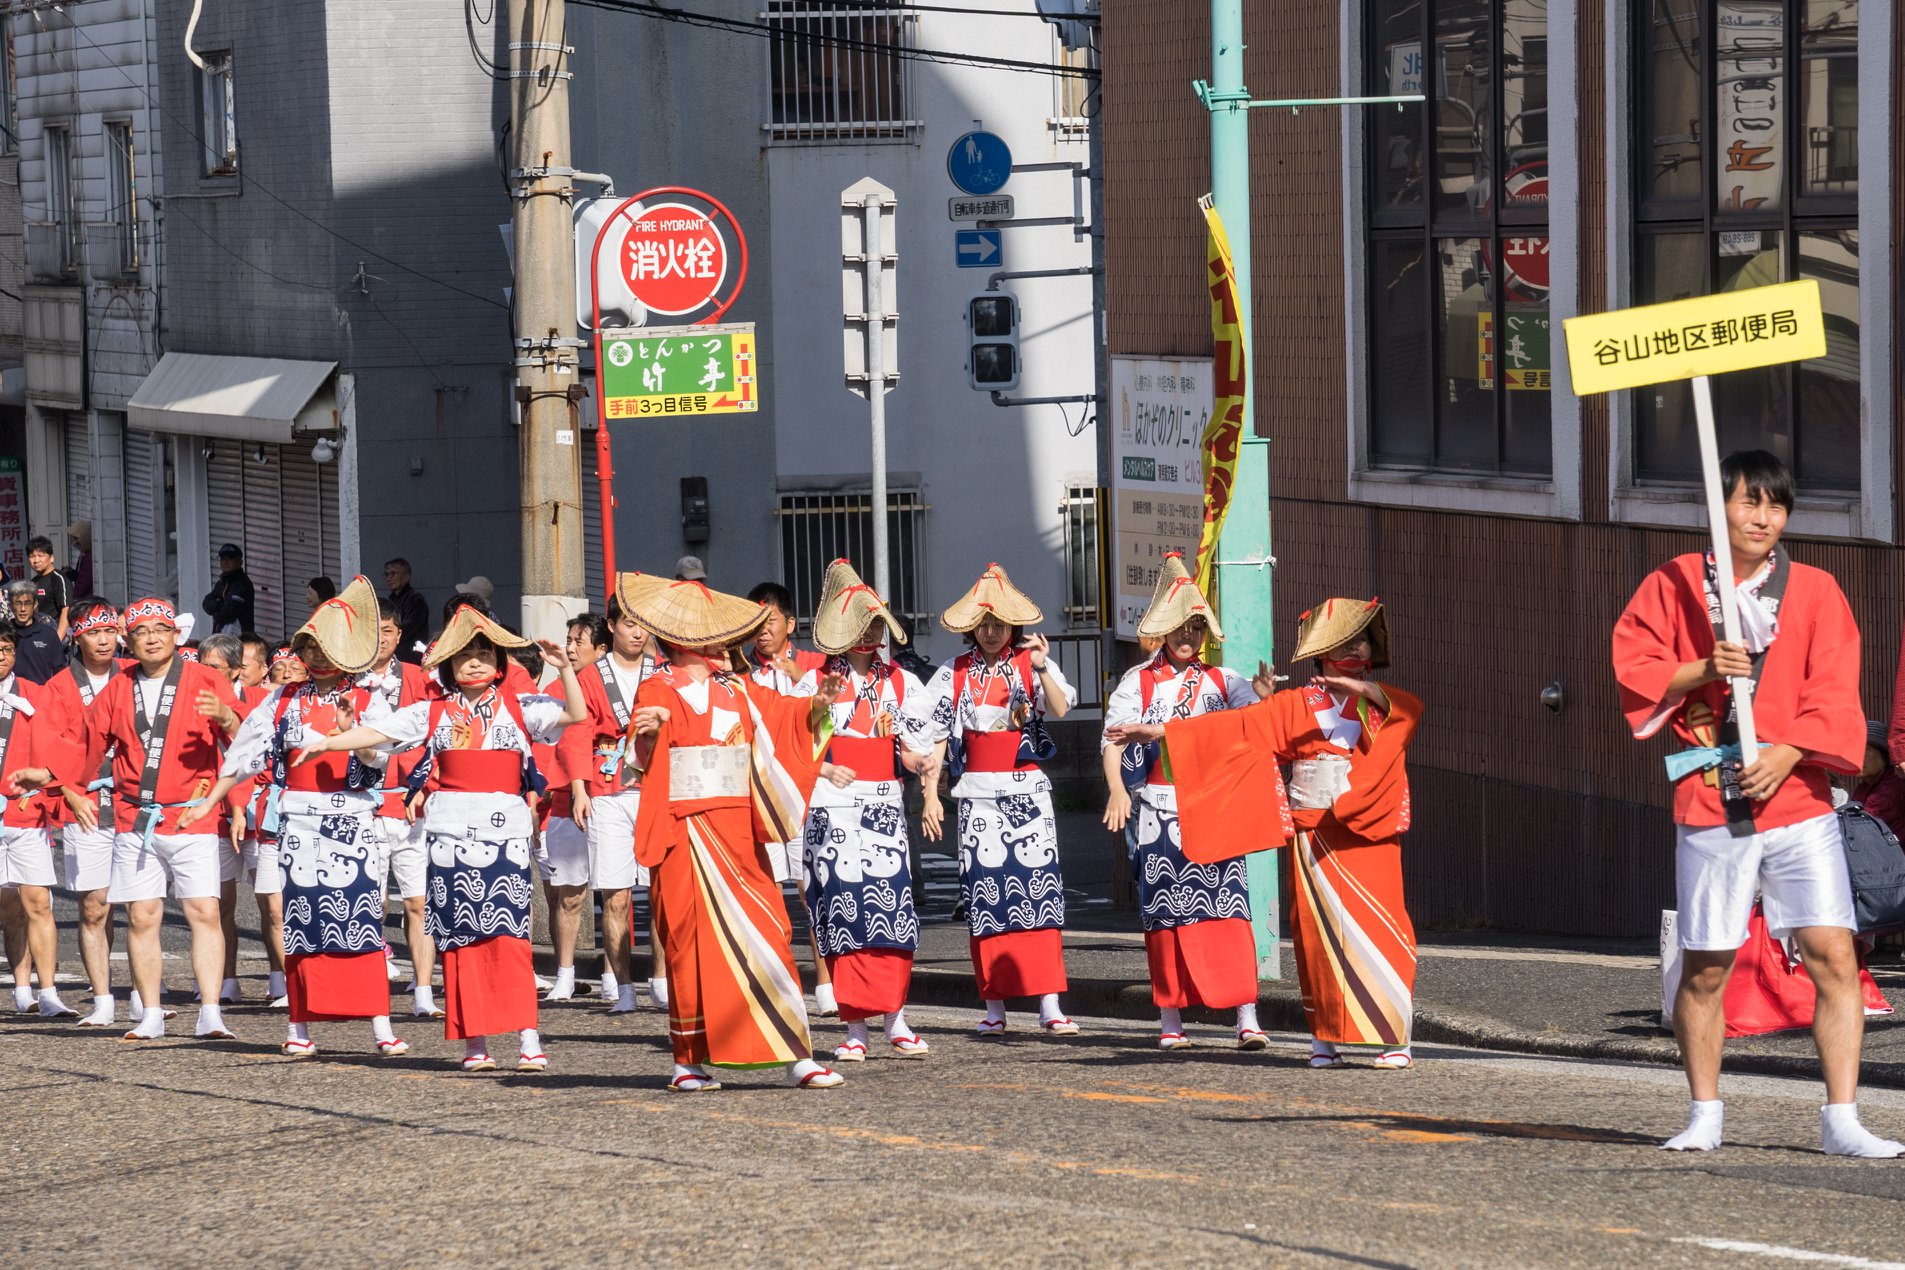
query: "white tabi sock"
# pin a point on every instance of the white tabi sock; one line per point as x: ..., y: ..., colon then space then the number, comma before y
x: 565, y: 980
x: 658, y: 993
x: 624, y: 1000
x: 801, y: 1070
x: 1247, y: 1018
x: 50, y: 1001
x: 824, y: 1001
x: 857, y: 1031
x: 275, y: 985
x: 896, y: 1025
x: 104, y: 1008
x: 1703, y: 1128
x: 151, y: 1025
x: 1049, y: 1009
x: 22, y: 998
x: 1840, y: 1133
x: 609, y: 985
x: 475, y: 1046
x: 697, y: 1072
x: 1170, y: 1020
x: 228, y: 990
x: 995, y: 1011
x: 210, y: 1019
x: 532, y: 1041
x: 380, y: 1028
x: 136, y: 1006
x: 301, y: 1032
x: 425, y: 997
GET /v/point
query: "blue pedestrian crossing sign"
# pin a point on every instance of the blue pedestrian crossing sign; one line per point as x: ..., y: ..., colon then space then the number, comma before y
x: 979, y: 162
x: 978, y: 248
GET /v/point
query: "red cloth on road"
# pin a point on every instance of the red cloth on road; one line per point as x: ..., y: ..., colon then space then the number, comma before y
x: 870, y: 981
x: 1019, y: 963
x: 488, y: 988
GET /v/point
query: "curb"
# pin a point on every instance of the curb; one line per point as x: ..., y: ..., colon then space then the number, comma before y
x: 1281, y: 1010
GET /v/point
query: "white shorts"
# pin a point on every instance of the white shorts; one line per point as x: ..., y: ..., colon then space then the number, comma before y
x: 234, y: 863
x: 612, y: 864
x: 1798, y: 871
x: 408, y: 859
x: 263, y: 867
x: 187, y: 862
x: 565, y: 853
x: 88, y: 858
x: 26, y: 858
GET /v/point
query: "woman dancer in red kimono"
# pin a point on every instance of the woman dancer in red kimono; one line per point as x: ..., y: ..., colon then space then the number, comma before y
x: 1345, y: 736
x: 726, y: 766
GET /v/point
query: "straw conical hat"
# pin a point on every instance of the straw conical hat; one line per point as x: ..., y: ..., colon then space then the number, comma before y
x: 993, y: 595
x: 1335, y: 622
x: 345, y: 627
x: 1176, y: 600
x: 847, y: 605
x: 687, y: 614
x: 465, y: 625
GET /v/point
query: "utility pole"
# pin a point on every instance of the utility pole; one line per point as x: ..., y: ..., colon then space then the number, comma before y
x: 548, y: 384
x: 869, y: 257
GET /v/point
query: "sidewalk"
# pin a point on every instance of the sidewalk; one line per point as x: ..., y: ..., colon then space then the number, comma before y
x: 1580, y: 998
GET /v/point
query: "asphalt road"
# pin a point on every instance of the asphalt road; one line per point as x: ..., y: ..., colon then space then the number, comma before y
x: 1034, y: 1150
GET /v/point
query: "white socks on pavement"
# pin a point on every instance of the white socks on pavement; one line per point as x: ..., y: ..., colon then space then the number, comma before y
x: 380, y: 1028
x: 896, y: 1025
x: 1840, y: 1133
x: 1247, y: 1018
x: 995, y: 1011
x: 564, y: 989
x: 425, y: 999
x: 624, y: 1000
x: 857, y: 1031
x: 298, y: 1033
x: 1048, y: 1008
x: 611, y: 989
x: 274, y: 987
x: 1703, y: 1128
x: 22, y: 998
x: 149, y: 1025
x: 228, y: 991
x: 532, y: 1042
x: 1170, y: 1020
x: 824, y: 1003
x: 475, y: 1047
x: 658, y: 993
x: 51, y: 1007
x: 104, y: 1008
x: 211, y: 1022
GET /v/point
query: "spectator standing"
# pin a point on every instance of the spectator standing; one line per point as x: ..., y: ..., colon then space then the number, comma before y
x: 229, y: 602
x: 80, y: 535
x: 41, y: 654
x: 318, y: 590
x: 413, y: 613
x: 54, y: 591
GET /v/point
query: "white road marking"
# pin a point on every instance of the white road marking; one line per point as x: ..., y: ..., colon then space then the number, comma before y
x: 1792, y: 1254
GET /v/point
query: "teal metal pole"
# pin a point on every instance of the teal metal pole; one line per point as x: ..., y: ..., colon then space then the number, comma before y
x: 1243, y: 549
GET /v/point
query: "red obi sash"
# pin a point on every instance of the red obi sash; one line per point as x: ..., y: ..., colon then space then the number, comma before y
x: 995, y: 752
x: 480, y: 771
x: 324, y: 775
x: 870, y: 757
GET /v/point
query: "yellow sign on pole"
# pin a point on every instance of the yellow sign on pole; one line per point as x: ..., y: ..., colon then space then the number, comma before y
x: 1683, y: 339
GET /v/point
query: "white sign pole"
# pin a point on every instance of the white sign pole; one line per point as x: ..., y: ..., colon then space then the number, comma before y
x: 1723, y: 558
x: 876, y: 386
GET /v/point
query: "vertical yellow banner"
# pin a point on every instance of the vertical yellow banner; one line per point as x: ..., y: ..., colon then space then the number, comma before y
x: 1230, y: 366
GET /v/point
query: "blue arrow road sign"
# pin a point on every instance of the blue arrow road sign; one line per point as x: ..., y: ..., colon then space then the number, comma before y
x: 977, y: 248
x: 979, y: 162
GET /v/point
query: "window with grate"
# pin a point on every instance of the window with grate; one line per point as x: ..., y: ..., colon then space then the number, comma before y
x: 1459, y: 353
x: 1072, y: 105
x: 823, y: 526
x: 60, y: 194
x: 1083, y: 513
x: 217, y: 125
x: 836, y: 71
x: 122, y: 196
x: 1746, y: 174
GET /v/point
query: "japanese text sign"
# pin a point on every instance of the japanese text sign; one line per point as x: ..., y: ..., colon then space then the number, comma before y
x: 12, y: 518
x: 658, y: 371
x: 1737, y: 330
x: 1162, y: 408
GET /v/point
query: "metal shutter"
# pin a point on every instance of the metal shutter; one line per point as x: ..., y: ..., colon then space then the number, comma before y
x: 79, y: 469
x: 306, y: 529
x: 142, y: 555
x: 225, y: 494
x: 263, y: 542
x: 592, y: 580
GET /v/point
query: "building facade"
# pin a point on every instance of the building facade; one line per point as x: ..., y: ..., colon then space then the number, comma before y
x: 1413, y: 267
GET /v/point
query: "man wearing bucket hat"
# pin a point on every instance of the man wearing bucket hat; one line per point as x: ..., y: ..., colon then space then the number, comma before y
x: 727, y: 766
x: 1197, y: 934
x: 1344, y: 735
x: 984, y: 707
x: 329, y: 849
x: 857, y: 882
x: 165, y: 724
x: 479, y: 744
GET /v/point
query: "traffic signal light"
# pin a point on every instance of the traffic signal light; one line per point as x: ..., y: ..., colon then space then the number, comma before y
x: 992, y: 341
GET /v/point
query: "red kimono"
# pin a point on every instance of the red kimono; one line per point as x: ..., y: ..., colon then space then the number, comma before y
x: 730, y: 770
x: 1808, y: 693
x: 188, y: 767
x: 1355, y: 946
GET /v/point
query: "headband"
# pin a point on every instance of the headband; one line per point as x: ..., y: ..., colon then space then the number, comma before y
x: 283, y: 655
x: 100, y: 619
x: 151, y: 609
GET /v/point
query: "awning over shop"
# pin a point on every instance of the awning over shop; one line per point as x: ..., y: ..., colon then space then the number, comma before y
x: 249, y: 398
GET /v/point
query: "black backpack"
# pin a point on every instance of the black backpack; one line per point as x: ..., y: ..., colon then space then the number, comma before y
x: 1877, y: 865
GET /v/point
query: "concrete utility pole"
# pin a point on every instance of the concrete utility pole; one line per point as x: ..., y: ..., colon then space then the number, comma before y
x: 870, y: 253
x: 546, y: 348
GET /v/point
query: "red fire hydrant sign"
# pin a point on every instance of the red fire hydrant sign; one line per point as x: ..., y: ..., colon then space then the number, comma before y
x: 674, y: 258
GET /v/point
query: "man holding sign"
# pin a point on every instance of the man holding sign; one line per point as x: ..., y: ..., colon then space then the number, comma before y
x: 1754, y: 660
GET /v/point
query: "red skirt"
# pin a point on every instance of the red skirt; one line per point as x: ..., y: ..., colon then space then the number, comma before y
x: 871, y: 981
x: 1210, y: 963
x: 336, y: 987
x: 488, y: 988
x: 1019, y: 963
